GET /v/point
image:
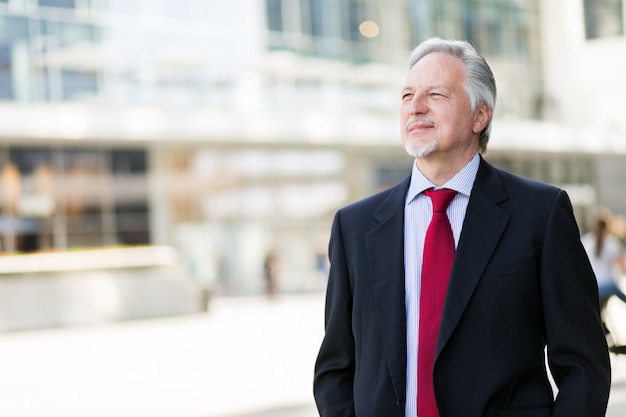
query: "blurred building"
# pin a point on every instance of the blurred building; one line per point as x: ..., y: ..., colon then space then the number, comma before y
x: 584, y: 67
x: 225, y: 128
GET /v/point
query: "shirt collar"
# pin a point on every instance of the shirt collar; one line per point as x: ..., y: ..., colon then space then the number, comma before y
x: 462, y: 181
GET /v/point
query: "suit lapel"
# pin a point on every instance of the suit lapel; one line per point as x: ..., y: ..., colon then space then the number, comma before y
x: 484, y: 222
x: 385, y: 253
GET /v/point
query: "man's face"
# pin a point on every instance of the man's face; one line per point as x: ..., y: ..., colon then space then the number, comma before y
x: 435, y: 112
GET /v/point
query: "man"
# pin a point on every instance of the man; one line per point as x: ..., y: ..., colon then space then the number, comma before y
x: 520, y: 286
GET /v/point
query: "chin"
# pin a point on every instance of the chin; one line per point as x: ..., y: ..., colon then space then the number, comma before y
x: 420, y: 150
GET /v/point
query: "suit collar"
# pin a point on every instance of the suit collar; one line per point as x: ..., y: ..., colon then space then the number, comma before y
x: 393, y: 204
x: 461, y: 182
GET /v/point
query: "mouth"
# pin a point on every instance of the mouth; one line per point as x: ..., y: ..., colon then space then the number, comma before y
x: 419, y: 127
x: 416, y: 125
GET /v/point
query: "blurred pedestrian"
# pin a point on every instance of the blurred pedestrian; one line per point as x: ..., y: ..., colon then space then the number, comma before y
x: 606, y: 255
x: 270, y: 273
x: 512, y: 270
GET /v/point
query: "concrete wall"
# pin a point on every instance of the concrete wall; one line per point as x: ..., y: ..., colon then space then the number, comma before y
x: 93, y: 294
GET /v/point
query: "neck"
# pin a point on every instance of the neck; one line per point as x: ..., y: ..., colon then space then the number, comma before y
x: 441, y: 170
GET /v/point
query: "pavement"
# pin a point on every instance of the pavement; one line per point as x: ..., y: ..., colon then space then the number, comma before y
x: 246, y: 357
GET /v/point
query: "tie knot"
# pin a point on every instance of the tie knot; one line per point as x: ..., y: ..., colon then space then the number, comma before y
x: 441, y: 198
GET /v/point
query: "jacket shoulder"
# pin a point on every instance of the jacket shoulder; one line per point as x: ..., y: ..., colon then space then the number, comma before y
x: 394, y: 195
x: 518, y: 183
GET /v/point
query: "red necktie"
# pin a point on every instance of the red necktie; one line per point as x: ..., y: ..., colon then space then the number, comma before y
x: 436, y: 268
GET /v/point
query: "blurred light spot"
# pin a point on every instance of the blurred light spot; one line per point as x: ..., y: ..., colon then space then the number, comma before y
x: 369, y: 29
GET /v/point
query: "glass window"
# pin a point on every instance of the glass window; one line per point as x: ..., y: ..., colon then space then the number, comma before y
x: 128, y: 162
x: 128, y: 168
x: 28, y: 160
x: 15, y: 62
x: 352, y: 17
x: 329, y: 29
x: 73, y: 33
x: 13, y: 28
x: 603, y: 18
x: 318, y: 17
x: 495, y: 27
x: 79, y: 84
x: 62, y: 34
x: 82, y: 173
x: 68, y: 4
x: 6, y: 79
x: 28, y: 180
x: 274, y: 15
x: 132, y: 224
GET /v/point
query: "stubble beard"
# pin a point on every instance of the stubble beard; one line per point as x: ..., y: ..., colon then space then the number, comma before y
x: 413, y: 145
x: 420, y: 150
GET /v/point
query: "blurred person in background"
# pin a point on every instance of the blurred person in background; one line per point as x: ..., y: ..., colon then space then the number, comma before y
x: 517, y: 285
x: 270, y: 272
x: 606, y: 254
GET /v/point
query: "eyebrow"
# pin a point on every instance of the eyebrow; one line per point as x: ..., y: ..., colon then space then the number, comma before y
x: 430, y: 88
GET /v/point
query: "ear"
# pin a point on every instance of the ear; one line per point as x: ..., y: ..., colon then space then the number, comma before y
x: 482, y: 115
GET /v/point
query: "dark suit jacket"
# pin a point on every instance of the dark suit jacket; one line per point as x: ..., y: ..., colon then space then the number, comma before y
x: 521, y: 280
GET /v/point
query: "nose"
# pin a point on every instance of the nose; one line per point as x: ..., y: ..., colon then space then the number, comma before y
x: 418, y: 105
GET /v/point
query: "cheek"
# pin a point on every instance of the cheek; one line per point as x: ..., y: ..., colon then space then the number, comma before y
x: 460, y: 121
x: 404, y: 115
x: 404, y: 119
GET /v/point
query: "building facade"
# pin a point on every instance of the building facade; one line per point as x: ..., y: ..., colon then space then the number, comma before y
x: 225, y: 129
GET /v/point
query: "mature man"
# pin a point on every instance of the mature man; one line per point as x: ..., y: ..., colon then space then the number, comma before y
x: 454, y: 317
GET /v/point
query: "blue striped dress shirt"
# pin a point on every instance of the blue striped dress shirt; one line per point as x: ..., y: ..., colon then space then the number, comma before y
x: 417, y: 214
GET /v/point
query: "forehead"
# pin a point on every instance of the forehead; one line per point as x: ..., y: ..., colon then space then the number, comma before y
x: 437, y: 69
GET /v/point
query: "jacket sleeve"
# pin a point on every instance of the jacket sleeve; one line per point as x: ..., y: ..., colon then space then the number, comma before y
x: 335, y: 366
x: 576, y: 347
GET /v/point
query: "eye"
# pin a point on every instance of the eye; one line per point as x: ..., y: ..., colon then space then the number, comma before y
x: 407, y: 96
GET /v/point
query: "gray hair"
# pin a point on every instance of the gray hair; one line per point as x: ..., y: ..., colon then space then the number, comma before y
x: 480, y: 83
